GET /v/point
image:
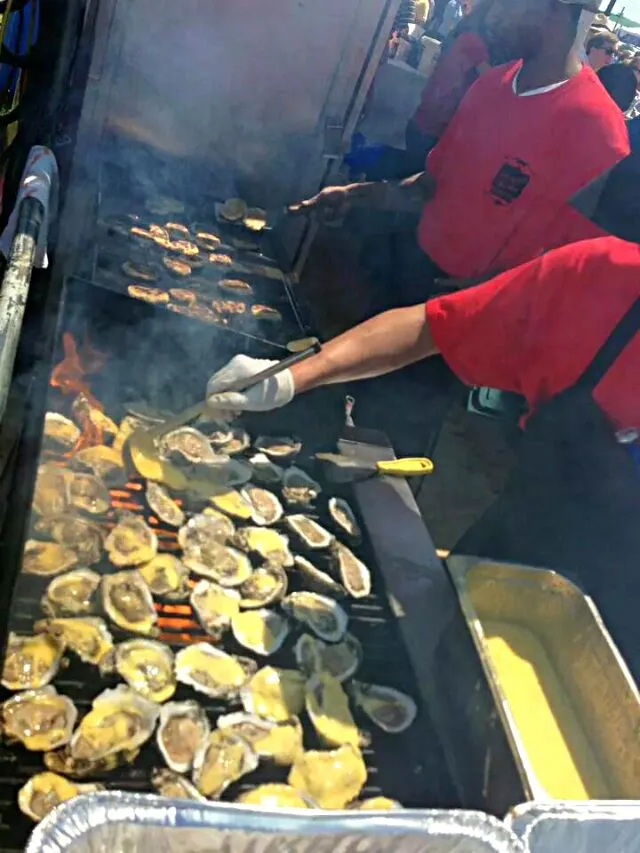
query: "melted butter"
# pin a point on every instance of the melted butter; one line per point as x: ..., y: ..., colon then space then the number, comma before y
x: 553, y: 738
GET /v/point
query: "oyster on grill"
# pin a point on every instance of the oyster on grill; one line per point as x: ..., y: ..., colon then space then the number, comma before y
x: 71, y: 594
x: 389, y: 709
x: 266, y: 507
x: 182, y: 730
x: 128, y: 602
x: 298, y: 488
x: 88, y: 493
x: 87, y: 636
x: 150, y: 465
x: 46, y: 558
x: 330, y: 779
x: 30, y: 662
x: 345, y: 520
x: 214, y: 606
x: 342, y: 660
x: 210, y: 671
x: 233, y: 209
x: 221, y: 760
x: 120, y: 720
x: 264, y: 470
x: 84, y: 411
x: 232, y: 441
x: 188, y: 444
x: 128, y: 425
x: 266, y: 585
x: 355, y: 576
x: 317, y: 580
x: 147, y: 667
x: 40, y: 719
x: 267, y: 543
x: 232, y: 503
x: 105, y: 462
x: 170, y: 784
x: 235, y: 286
x: 51, y: 492
x: 131, y: 542
x: 220, y: 563
x: 327, y: 705
x: 274, y: 796
x: 60, y: 431
x: 79, y: 534
x: 312, y: 534
x: 323, y: 615
x: 166, y: 577
x: 207, y: 241
x: 163, y: 505
x: 375, y: 804
x: 44, y: 791
x: 141, y: 271
x: 201, y: 530
x: 61, y: 761
x: 308, y: 653
x: 260, y: 631
x: 277, y: 742
x: 275, y: 694
x: 278, y: 448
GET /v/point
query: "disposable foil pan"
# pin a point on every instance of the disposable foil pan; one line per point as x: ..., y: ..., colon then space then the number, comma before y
x: 117, y: 822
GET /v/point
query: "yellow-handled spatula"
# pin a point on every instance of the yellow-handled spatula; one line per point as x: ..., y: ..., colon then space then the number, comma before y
x: 348, y: 469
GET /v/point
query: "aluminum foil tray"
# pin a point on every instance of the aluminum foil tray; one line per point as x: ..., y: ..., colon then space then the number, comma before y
x: 116, y: 822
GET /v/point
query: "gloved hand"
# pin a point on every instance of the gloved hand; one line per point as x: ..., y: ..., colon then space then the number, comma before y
x: 268, y: 394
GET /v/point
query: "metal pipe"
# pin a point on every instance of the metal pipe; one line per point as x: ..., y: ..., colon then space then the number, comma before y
x: 15, y: 289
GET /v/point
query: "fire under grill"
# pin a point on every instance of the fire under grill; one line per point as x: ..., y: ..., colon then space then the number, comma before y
x: 114, y: 339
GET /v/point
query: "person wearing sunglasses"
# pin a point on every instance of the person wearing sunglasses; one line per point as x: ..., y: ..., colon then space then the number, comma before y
x: 601, y: 48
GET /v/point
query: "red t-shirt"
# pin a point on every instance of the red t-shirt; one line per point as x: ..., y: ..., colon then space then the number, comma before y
x: 534, y: 329
x: 449, y: 82
x: 507, y: 165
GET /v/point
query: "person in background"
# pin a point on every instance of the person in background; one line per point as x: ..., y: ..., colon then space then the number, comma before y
x: 601, y: 48
x: 634, y: 65
x: 620, y: 82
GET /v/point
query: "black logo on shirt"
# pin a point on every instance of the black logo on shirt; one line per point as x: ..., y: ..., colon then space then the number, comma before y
x: 510, y: 181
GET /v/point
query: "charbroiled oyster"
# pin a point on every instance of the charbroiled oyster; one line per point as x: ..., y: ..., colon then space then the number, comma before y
x: 170, y: 784
x: 265, y: 471
x: 119, y: 720
x: 46, y: 558
x: 30, y: 662
x: 267, y: 543
x: 223, y: 759
x: 88, y: 493
x: 215, y: 607
x: 188, y: 444
x: 61, y: 761
x: 128, y: 602
x: 163, y: 505
x: 166, y: 577
x: 266, y: 312
x: 330, y: 779
x: 178, y: 267
x: 260, y: 631
x: 355, y: 576
x: 71, y: 594
x: 79, y: 534
x: 389, y: 709
x: 343, y: 659
x: 147, y: 667
x: 323, y: 615
x: 85, y: 411
x: 266, y: 507
x: 182, y: 731
x: 221, y: 563
x: 202, y: 530
x: 274, y: 796
x: 105, y: 462
x: 87, y: 636
x: 266, y: 585
x: 210, y: 671
x: 232, y: 503
x: 309, y: 532
x: 40, y: 719
x: 207, y: 241
x: 278, y: 448
x: 44, y: 791
x: 275, y: 694
x: 60, y: 431
x: 345, y: 520
x: 235, y: 286
x: 232, y: 441
x: 375, y: 804
x: 298, y: 488
x: 277, y: 742
x: 51, y: 492
x: 327, y: 705
x: 131, y: 542
x: 317, y: 580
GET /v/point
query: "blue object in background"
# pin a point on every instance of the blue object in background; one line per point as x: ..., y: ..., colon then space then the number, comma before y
x: 20, y: 35
x: 362, y: 157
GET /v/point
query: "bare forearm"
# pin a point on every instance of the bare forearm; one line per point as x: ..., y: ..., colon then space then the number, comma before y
x: 406, y: 196
x: 381, y: 345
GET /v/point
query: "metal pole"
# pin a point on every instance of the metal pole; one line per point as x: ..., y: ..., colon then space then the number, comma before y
x: 610, y: 6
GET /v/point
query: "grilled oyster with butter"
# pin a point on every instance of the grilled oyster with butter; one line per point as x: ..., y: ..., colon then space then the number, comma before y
x: 345, y: 520
x: 260, y: 631
x: 128, y: 602
x: 275, y: 694
x: 298, y: 488
x: 163, y: 505
x: 131, y: 542
x: 51, y: 492
x: 87, y: 636
x: 170, y: 784
x: 40, y: 719
x: 232, y: 441
x: 201, y: 530
x: 221, y: 563
x: 190, y: 445
x: 207, y: 241
x: 88, y: 493
x: 84, y: 537
x: 389, y: 709
x: 71, y: 594
x: 330, y: 779
x: 309, y: 532
x: 355, y: 576
x: 182, y: 730
x: 30, y: 662
x: 44, y: 791
x: 147, y: 667
x: 274, y: 796
x: 47, y: 558
x: 60, y: 431
x: 61, y: 761
x: 327, y: 705
x: 210, y: 671
x: 166, y: 577
x: 105, y: 462
x: 85, y: 410
x: 277, y: 742
x: 323, y: 615
x: 232, y: 503
x: 266, y: 508
x: 215, y: 607
x: 342, y: 660
x: 223, y: 759
x: 278, y: 448
x: 316, y: 580
x: 267, y: 543
x: 266, y: 585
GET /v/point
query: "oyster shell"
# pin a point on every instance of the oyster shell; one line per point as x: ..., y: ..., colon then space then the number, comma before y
x: 105, y: 462
x: 345, y: 520
x: 232, y: 503
x: 40, y: 719
x: 298, y: 488
x: 30, y: 662
x: 375, y: 804
x: 317, y: 580
x: 46, y: 558
x: 328, y: 708
x: 163, y: 505
x: 227, y: 527
x: 222, y: 759
x: 131, y: 542
x: 61, y: 761
x: 79, y: 534
x: 214, y: 606
x: 119, y: 720
x: 84, y: 411
x: 147, y: 667
x: 275, y: 694
x: 44, y: 791
x: 266, y: 585
x: 274, y: 796
x: 278, y: 448
x: 127, y: 600
x: 389, y: 709
x: 210, y: 671
x: 170, y: 784
x: 260, y: 631
x: 182, y: 730
x: 232, y: 441
x: 188, y: 444
x: 267, y: 543
x: 166, y: 577
x: 51, y: 491
x: 221, y: 563
x: 201, y: 530
x: 312, y: 534
x: 87, y: 636
x: 71, y: 594
x: 266, y: 508
x: 60, y: 430
x: 277, y: 742
x: 128, y: 425
x: 88, y: 493
x: 323, y: 615
x: 265, y: 471
x: 342, y: 660
x: 308, y: 653
x: 355, y: 576
x: 330, y: 779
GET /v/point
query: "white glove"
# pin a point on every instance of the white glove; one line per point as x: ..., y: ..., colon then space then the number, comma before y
x: 268, y: 394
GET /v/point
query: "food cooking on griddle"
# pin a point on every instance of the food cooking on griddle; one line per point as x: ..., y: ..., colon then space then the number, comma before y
x: 228, y: 306
x: 207, y: 241
x: 235, y: 285
x: 184, y: 247
x: 266, y: 312
x: 176, y: 267
x: 255, y: 219
x: 220, y: 260
x: 139, y: 270
x: 152, y: 295
x: 182, y: 295
x: 233, y: 210
x: 177, y: 230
